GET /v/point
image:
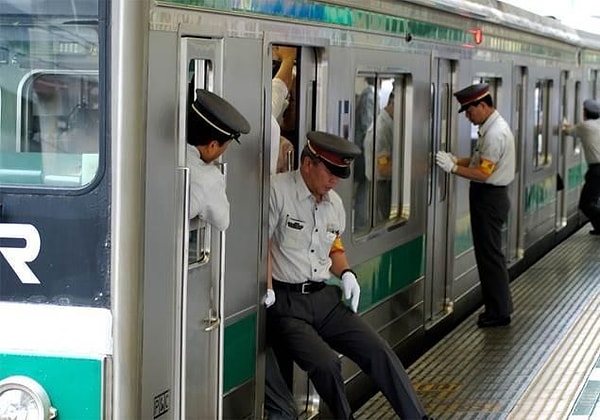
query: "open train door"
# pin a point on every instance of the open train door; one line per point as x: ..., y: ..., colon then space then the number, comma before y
x: 202, y: 248
x: 206, y: 303
x: 200, y: 254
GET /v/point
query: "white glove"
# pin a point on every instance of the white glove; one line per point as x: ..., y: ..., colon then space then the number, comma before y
x: 351, y: 289
x: 269, y: 298
x: 445, y: 161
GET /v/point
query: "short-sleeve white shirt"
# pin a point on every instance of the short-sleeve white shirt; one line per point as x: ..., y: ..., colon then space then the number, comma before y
x: 497, y: 144
x: 208, y: 200
x: 302, y: 231
x: 589, y: 133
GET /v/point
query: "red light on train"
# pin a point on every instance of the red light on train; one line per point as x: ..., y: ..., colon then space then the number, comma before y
x: 477, y: 35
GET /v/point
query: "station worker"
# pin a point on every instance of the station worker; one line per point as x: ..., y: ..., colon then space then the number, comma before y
x: 212, y: 124
x: 490, y: 169
x: 589, y: 132
x: 306, y: 317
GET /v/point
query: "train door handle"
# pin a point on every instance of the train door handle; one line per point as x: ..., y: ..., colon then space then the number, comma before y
x: 212, y: 322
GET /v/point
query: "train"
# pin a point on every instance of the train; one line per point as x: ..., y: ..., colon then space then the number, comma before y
x: 114, y: 305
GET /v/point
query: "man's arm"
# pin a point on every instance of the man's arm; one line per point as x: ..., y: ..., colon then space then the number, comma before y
x: 341, y: 268
x: 269, y: 266
x: 474, y: 174
x: 461, y: 167
x: 339, y: 263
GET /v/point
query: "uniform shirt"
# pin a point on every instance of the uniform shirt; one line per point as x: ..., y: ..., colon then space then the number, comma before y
x: 302, y: 230
x: 496, y: 144
x: 208, y: 200
x: 384, y: 138
x: 589, y: 132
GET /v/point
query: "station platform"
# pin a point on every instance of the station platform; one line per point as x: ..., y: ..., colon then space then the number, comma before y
x: 544, y: 365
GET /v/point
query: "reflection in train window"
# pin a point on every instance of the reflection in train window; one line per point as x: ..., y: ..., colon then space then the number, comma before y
x: 577, y: 111
x: 494, y: 88
x: 381, y: 195
x: 594, y: 82
x: 58, y: 131
x: 542, y: 124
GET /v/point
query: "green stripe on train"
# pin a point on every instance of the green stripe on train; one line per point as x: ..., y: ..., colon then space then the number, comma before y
x: 360, y: 19
x: 387, y: 274
x: 379, y: 277
x: 73, y: 385
x: 239, y: 352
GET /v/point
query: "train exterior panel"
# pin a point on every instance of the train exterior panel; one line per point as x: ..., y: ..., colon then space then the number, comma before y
x: 151, y: 315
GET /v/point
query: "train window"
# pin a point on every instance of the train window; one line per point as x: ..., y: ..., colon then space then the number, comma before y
x: 494, y: 87
x: 200, y: 76
x: 58, y: 126
x: 594, y: 83
x: 542, y: 124
x: 382, y: 174
x: 577, y: 110
x: 49, y: 127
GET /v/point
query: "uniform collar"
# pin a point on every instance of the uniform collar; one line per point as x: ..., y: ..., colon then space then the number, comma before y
x: 194, y: 151
x: 483, y: 128
x: 302, y: 191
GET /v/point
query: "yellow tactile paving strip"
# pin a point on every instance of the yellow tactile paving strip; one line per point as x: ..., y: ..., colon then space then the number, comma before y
x: 544, y: 354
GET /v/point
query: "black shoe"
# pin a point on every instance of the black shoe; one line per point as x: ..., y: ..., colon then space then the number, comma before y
x: 483, y: 315
x: 487, y: 322
x: 595, y: 232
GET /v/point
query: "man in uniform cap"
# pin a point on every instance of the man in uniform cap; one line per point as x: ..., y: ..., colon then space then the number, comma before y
x: 212, y: 124
x: 490, y: 169
x: 589, y: 132
x: 306, y: 317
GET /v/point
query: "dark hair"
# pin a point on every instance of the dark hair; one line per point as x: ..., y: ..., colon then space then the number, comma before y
x: 200, y: 133
x: 589, y: 115
x: 307, y: 153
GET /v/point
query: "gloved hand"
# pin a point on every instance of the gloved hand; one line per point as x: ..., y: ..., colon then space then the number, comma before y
x: 454, y: 158
x: 269, y: 298
x: 445, y: 161
x: 351, y: 289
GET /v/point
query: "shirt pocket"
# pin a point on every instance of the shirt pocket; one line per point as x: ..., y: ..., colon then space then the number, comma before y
x: 294, y: 234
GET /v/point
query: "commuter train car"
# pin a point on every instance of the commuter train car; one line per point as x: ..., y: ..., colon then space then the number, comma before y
x: 113, y: 305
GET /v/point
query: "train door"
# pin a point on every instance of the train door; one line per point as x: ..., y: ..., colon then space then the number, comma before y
x: 439, y: 248
x: 202, y: 247
x: 561, y: 161
x: 202, y: 266
x: 516, y: 235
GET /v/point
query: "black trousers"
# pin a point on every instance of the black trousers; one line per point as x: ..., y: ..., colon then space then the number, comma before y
x: 489, y: 206
x: 589, y: 201
x: 313, y: 328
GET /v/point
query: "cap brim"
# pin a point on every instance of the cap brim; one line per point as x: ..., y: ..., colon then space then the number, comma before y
x: 339, y: 171
x: 463, y: 108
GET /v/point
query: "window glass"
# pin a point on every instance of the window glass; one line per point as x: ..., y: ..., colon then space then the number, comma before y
x: 382, y: 176
x: 200, y: 76
x: 541, y: 128
x: 594, y: 83
x: 49, y: 126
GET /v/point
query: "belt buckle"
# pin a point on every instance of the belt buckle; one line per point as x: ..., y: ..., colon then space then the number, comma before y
x: 305, y: 288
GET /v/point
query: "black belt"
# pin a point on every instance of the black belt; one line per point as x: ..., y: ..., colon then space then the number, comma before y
x: 304, y: 288
x: 485, y: 186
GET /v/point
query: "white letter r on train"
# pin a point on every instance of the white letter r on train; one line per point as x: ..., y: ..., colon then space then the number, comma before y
x: 18, y: 258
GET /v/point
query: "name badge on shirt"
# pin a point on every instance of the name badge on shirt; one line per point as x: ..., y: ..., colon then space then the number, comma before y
x: 295, y: 223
